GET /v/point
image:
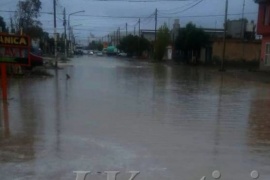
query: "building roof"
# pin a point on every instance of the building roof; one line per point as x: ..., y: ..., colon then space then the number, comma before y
x: 147, y: 31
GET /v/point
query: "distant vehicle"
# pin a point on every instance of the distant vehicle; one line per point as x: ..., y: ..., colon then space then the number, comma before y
x: 112, y: 51
x: 91, y: 53
x: 99, y: 53
x: 122, y: 54
x: 85, y: 51
x: 78, y: 52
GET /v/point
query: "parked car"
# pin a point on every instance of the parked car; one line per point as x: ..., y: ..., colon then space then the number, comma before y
x: 99, y: 53
x: 85, y: 52
x: 78, y: 52
x: 122, y: 54
x: 91, y: 53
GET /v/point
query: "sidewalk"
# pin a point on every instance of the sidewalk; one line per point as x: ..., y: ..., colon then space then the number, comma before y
x: 254, y: 76
x: 246, y: 74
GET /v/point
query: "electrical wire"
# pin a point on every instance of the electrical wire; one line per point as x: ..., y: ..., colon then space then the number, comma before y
x: 177, y: 8
x: 139, y: 0
x: 198, y: 2
x: 210, y: 15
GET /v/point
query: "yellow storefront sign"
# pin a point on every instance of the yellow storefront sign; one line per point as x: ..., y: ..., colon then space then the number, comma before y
x: 10, y: 40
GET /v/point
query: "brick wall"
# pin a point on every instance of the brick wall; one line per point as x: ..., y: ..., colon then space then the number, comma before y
x: 237, y: 50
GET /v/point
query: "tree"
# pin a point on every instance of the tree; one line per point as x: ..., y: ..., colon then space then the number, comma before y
x: 191, y: 39
x: 92, y: 45
x: 134, y: 45
x: 12, y: 27
x: 128, y: 44
x: 44, y: 43
x: 95, y: 46
x: 3, y: 24
x: 26, y: 17
x: 162, y: 41
x: 99, y: 46
x: 144, y: 45
x: 61, y: 43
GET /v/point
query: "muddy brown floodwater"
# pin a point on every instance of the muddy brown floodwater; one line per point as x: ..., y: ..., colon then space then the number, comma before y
x: 168, y: 122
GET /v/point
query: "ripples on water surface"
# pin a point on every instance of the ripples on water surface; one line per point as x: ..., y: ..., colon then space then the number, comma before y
x: 167, y: 122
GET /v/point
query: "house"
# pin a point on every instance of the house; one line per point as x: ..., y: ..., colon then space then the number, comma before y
x: 175, y: 29
x: 148, y: 34
x: 263, y: 28
x: 236, y: 28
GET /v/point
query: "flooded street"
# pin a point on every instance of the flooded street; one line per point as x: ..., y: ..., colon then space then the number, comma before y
x: 168, y: 122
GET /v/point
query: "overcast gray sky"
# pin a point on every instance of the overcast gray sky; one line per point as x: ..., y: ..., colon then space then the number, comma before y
x: 103, y: 17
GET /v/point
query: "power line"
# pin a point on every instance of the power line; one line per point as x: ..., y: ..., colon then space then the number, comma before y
x: 12, y: 11
x: 51, y: 28
x: 121, y: 17
x: 177, y: 8
x: 198, y: 2
x: 140, y: 0
x: 148, y: 22
x: 136, y: 17
x: 210, y: 15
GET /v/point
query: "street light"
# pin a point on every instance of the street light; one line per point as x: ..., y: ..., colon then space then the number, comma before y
x: 73, y: 14
x: 71, y: 37
x: 69, y: 28
x: 73, y: 40
x: 69, y: 19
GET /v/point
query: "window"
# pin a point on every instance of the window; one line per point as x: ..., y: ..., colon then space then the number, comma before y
x: 267, y: 54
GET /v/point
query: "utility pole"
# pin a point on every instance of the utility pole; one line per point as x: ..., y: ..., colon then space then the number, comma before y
x: 243, y: 28
x: 139, y: 26
x: 118, y: 36
x: 72, y: 40
x: 134, y: 30
x: 65, y: 26
x: 156, y: 25
x: 243, y: 23
x: 224, y: 37
x: 139, y: 37
x: 55, y: 35
x: 69, y: 37
x: 126, y: 29
x: 114, y: 39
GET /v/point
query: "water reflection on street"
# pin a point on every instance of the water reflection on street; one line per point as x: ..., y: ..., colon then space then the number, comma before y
x: 168, y: 122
